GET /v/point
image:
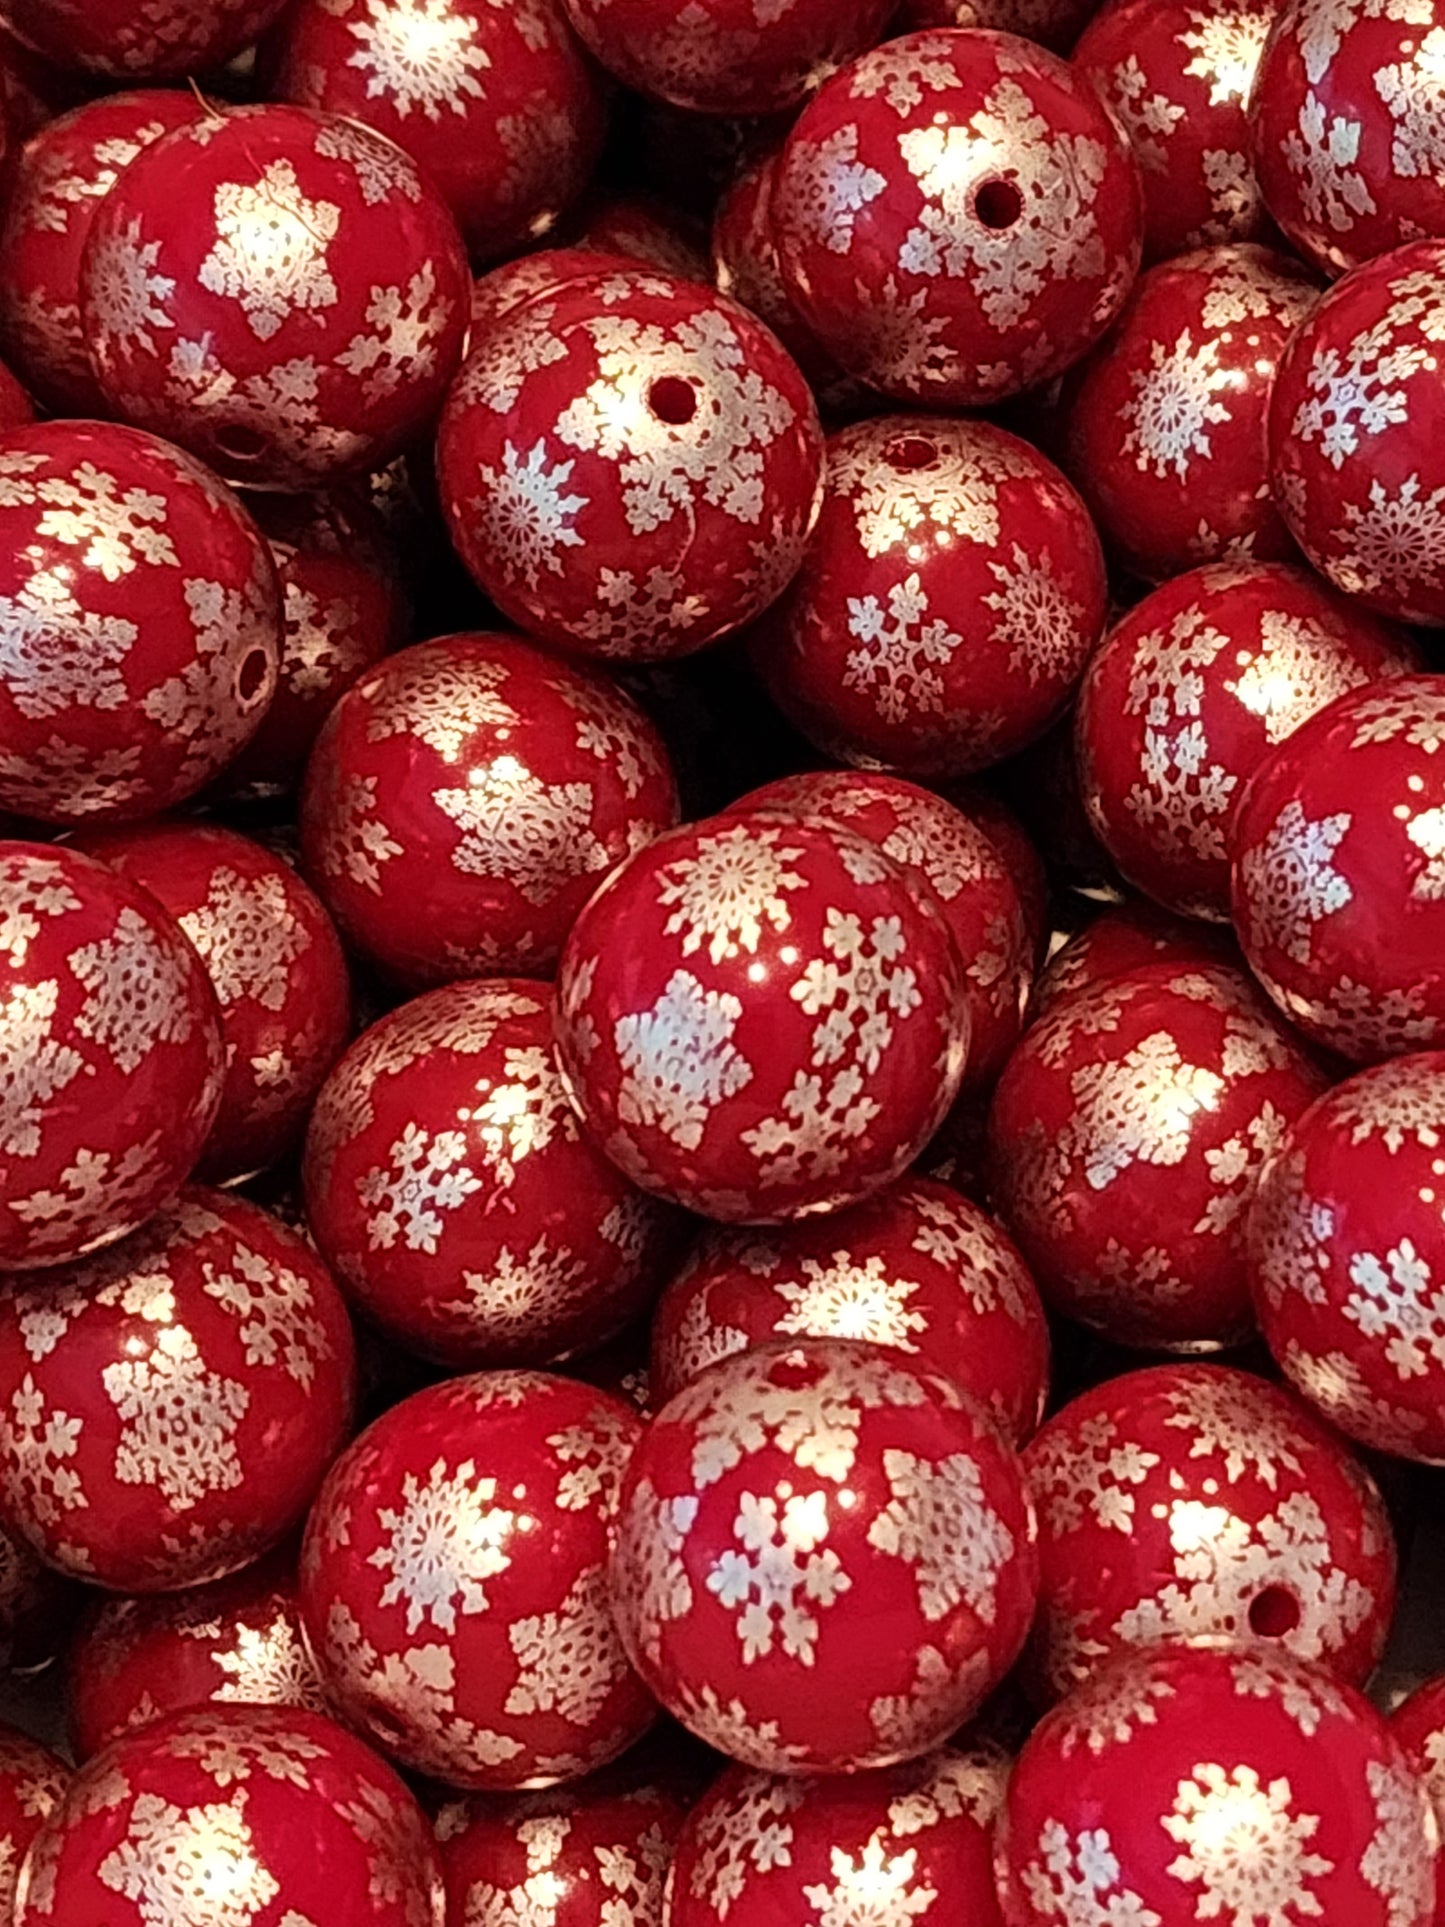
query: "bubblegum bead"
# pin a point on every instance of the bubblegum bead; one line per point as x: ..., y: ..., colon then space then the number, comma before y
x: 1122, y: 939
x: 1418, y: 1723
x: 1198, y: 1502
x: 761, y: 1017
x: 454, y: 1582
x: 1053, y: 23
x: 141, y: 619
x: 1355, y: 426
x: 1190, y: 1784
x: 727, y: 56
x: 32, y: 1782
x: 1167, y: 426
x: 1344, y: 1240
x: 630, y: 467
x: 165, y: 39
x: 1190, y: 693
x: 467, y: 796
x: 56, y: 182
x: 957, y: 217
x: 449, y: 1185
x: 237, y: 1641
x: 172, y: 1404
x: 237, y: 1816
x: 878, y: 1847
x: 1177, y: 76
x: 783, y: 1509
x: 275, y: 963
x: 1336, y: 881
x: 917, y: 1268
x: 948, y: 601
x: 497, y: 106
x: 115, y: 1060
x: 1127, y: 1135
x: 280, y: 291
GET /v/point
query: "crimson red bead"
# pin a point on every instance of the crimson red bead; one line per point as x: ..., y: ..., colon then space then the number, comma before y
x: 1233, y: 1784
x: 280, y: 291
x: 237, y: 1816
x: 784, y: 1507
x: 957, y: 217
x: 1126, y: 1137
x: 466, y: 797
x: 947, y: 604
x: 1123, y: 938
x: 1419, y: 1725
x: 630, y: 467
x: 518, y: 282
x: 1053, y: 23
x: 113, y: 1051
x: 163, y: 39
x: 172, y: 1404
x: 453, y: 1581
x: 1167, y: 427
x: 449, y: 1185
x: 1189, y: 694
x: 32, y: 1781
x: 1336, y: 849
x: 761, y: 1017
x: 142, y: 623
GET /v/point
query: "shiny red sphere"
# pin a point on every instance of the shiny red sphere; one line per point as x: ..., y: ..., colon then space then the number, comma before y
x: 1120, y: 940
x: 1419, y: 1725
x: 32, y: 1782
x: 160, y: 39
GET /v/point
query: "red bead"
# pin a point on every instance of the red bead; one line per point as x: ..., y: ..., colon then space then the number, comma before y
x: 727, y: 56
x: 1019, y: 852
x: 1053, y: 23
x: 163, y: 39
x: 496, y: 105
x: 648, y: 228
x: 1346, y: 126
x: 1188, y: 696
x: 56, y: 183
x: 1127, y: 1134
x: 1167, y: 426
x: 449, y: 1185
x: 630, y: 466
x: 1357, y: 434
x: 237, y: 1641
x: 917, y: 1268
x: 881, y: 1847
x: 453, y: 1581
x: 760, y: 1018
x: 1337, y: 881
x: 947, y: 604
x: 1344, y: 1238
x: 275, y: 963
x: 1419, y: 1725
x: 957, y: 217
x: 1119, y: 941
x: 32, y: 1781
x: 237, y: 1816
x: 1177, y: 76
x: 1197, y: 1502
x: 171, y: 1405
x: 278, y: 290
x: 142, y: 623
x: 518, y: 282
x: 113, y: 1052
x: 16, y: 408
x: 1235, y: 1785
x: 784, y: 1508
x: 465, y: 799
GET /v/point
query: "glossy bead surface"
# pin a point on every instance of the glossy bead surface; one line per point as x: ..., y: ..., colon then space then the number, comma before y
x: 630, y: 466
x: 1126, y: 1138
x: 278, y: 290
x: 450, y: 1186
x: 166, y: 39
x: 1419, y: 1725
x: 918, y: 1268
x: 141, y: 621
x: 760, y: 1017
x: 957, y: 217
x: 467, y: 796
x: 171, y: 1404
x: 113, y: 1052
x: 454, y: 1583
x: 1120, y: 940
x: 784, y: 1507
x: 1186, y: 697
x: 1053, y: 23
x: 947, y: 603
x: 1167, y: 428
x: 237, y: 1816
x: 1336, y: 884
x: 1187, y: 1785
x: 32, y: 1780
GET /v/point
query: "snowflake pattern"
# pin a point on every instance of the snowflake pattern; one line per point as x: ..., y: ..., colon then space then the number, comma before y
x: 1039, y: 624
x: 1245, y: 1847
x: 878, y: 1889
x: 780, y: 1577
x: 518, y: 828
x: 899, y: 650
x: 1394, y: 540
x: 1138, y: 1108
x: 1076, y: 1880
x: 194, y: 1863
x: 116, y: 532
x: 37, y: 1442
x: 1291, y: 881
x: 399, y: 342
x: 1182, y: 799
x: 1395, y: 1299
x: 270, y: 250
x: 938, y: 1521
x: 247, y: 935
x: 679, y: 1061
x: 751, y: 1833
x: 829, y: 187
x: 1321, y: 152
x: 443, y: 1543
x: 275, y: 1308
x: 419, y: 54
x: 427, y: 1175
x: 570, y: 1660
x: 130, y: 292
x: 1358, y: 390
x: 1293, y: 674
x: 729, y: 890
x: 525, y: 513
x: 848, y: 1298
x: 1413, y: 92
x: 1088, y: 1465
x: 178, y: 1420
x: 1168, y: 417
x: 35, y: 1066
x: 1393, y: 1863
x: 58, y: 654
x: 1247, y: 1432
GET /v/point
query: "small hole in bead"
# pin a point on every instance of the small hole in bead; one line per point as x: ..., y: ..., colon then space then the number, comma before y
x: 998, y: 204
x: 911, y: 451
x: 1274, y: 1613
x: 239, y: 443
x: 672, y: 400
x: 251, y: 676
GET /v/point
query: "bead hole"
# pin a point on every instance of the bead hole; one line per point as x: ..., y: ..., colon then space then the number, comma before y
x: 911, y: 451
x: 672, y: 400
x: 1274, y: 1613
x: 251, y: 676
x: 998, y: 204
x: 238, y: 443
